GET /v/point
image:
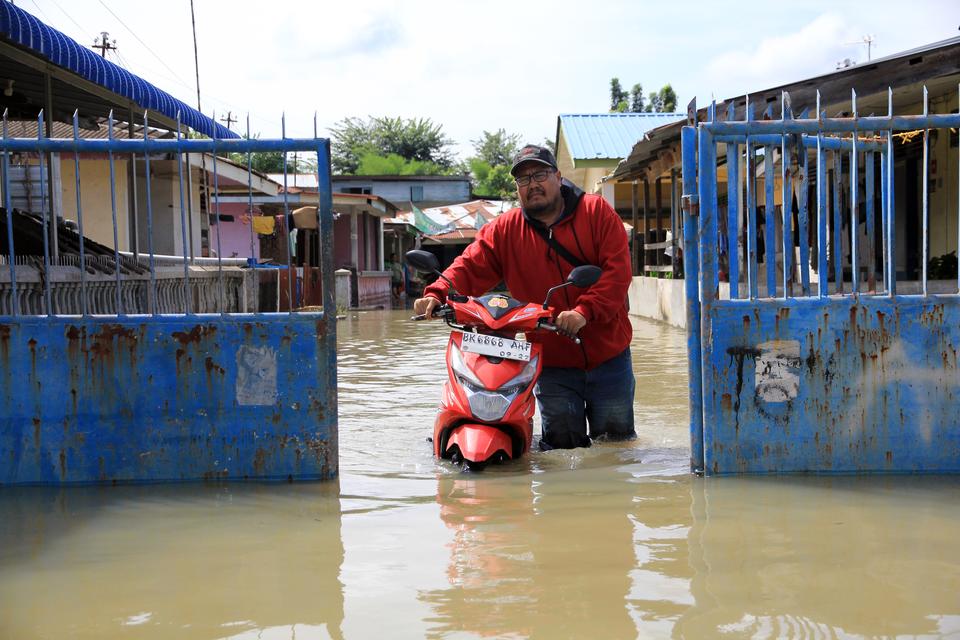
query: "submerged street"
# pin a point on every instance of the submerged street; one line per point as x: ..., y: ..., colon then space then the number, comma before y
x: 615, y: 541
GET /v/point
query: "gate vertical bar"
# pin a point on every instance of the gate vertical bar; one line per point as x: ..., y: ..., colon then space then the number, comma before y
x: 770, y: 223
x: 152, y: 298
x: 44, y: 203
x: 253, y: 253
x: 325, y: 211
x: 836, y: 233
x: 891, y: 205
x: 291, y: 274
x: 187, y: 293
x: 83, y: 257
x: 707, y: 196
x: 803, y: 217
x: 113, y: 214
x: 823, y: 279
x: 691, y: 281
x: 221, y: 306
x: 786, y: 198
x: 750, y: 179
x: 854, y: 212
x: 733, y: 218
x: 869, y: 169
x: 7, y: 204
x: 884, y: 219
x: 925, y: 210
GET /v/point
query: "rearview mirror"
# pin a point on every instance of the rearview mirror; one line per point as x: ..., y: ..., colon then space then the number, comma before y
x: 423, y: 261
x: 584, y: 276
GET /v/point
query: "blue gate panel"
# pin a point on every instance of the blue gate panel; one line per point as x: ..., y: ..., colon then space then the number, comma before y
x: 167, y: 398
x: 853, y: 384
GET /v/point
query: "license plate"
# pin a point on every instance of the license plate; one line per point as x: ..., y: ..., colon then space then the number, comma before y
x: 495, y: 346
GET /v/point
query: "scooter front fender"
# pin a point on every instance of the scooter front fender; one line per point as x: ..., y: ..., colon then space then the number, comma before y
x: 479, y: 442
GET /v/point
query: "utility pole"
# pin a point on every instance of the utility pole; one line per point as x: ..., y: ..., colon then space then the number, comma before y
x: 104, y: 44
x: 229, y: 119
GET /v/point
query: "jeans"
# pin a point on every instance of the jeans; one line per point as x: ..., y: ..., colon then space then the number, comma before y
x: 570, y: 399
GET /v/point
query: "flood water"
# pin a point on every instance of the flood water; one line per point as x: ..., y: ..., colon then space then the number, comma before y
x: 615, y: 541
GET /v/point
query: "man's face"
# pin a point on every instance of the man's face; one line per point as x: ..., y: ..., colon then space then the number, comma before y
x: 541, y: 192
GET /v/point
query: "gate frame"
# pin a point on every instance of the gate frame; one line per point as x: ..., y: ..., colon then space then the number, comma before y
x: 747, y: 448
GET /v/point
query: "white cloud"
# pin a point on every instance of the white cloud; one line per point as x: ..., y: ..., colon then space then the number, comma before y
x: 814, y: 49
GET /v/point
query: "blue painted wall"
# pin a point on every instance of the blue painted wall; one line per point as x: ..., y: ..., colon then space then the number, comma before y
x: 852, y: 384
x: 167, y: 398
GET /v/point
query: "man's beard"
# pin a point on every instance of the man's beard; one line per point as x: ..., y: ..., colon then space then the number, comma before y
x: 543, y: 210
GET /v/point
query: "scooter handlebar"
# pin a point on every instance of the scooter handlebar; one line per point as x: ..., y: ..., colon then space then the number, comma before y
x: 438, y: 312
x: 549, y: 326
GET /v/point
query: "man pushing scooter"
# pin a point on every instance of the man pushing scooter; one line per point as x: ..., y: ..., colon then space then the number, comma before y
x: 533, y: 248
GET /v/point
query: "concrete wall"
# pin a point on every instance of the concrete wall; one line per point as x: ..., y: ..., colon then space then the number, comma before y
x: 449, y: 191
x: 659, y: 299
x: 663, y: 300
x: 95, y: 198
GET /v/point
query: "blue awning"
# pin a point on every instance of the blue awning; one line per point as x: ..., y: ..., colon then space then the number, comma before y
x: 22, y: 28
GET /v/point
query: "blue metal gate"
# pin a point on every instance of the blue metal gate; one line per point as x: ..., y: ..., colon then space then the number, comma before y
x: 803, y: 355
x: 138, y: 368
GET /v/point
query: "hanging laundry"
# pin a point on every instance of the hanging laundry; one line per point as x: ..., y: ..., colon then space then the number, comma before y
x: 263, y: 225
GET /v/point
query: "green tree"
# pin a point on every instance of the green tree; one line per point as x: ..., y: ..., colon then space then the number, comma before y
x: 668, y: 98
x: 636, y: 98
x: 663, y: 101
x: 497, y: 148
x: 489, y: 180
x: 417, y: 139
x: 374, y: 164
x: 618, y: 97
x: 272, y: 161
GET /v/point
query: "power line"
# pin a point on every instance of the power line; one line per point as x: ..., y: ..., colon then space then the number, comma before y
x: 41, y: 11
x: 133, y: 33
x: 69, y: 16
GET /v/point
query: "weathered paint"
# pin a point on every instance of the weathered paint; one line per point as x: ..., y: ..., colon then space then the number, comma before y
x: 166, y: 398
x: 852, y: 378
x: 131, y: 398
x: 871, y: 385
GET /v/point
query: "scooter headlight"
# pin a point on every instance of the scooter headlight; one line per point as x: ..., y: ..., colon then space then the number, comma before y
x: 485, y: 405
x: 467, y: 378
x: 519, y: 382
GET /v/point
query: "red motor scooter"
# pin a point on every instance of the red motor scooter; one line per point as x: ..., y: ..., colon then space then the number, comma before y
x: 487, y: 405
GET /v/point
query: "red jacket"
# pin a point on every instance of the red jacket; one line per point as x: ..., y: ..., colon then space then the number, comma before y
x: 509, y: 249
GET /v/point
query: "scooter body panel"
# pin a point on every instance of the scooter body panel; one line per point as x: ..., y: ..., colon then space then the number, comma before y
x: 476, y: 439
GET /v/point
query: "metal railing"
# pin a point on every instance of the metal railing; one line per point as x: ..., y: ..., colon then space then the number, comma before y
x: 64, y: 272
x: 845, y: 222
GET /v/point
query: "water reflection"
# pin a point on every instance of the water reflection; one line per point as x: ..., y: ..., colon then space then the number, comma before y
x: 542, y: 556
x: 824, y: 557
x: 183, y: 561
x: 615, y: 541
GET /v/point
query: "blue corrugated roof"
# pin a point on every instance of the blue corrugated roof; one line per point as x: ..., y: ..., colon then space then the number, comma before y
x: 22, y: 28
x: 592, y: 136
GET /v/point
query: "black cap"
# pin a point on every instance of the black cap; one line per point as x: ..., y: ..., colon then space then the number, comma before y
x: 533, y: 153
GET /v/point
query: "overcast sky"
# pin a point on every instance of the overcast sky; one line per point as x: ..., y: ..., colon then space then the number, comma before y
x: 475, y: 66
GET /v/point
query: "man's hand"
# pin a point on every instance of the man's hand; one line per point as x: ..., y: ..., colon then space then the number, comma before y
x: 570, y: 322
x: 425, y: 306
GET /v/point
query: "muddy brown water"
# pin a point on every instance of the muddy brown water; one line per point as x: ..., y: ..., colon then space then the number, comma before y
x: 615, y: 541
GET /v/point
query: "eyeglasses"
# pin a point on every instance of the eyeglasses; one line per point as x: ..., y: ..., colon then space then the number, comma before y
x: 537, y: 176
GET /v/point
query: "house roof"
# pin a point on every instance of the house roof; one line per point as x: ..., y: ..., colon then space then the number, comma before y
x: 593, y: 136
x: 934, y: 65
x: 27, y: 38
x: 460, y: 219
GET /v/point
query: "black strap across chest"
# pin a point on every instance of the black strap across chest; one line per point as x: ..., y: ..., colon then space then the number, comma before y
x: 559, y: 248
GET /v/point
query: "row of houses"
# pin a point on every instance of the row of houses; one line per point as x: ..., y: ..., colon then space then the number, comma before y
x: 241, y: 218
